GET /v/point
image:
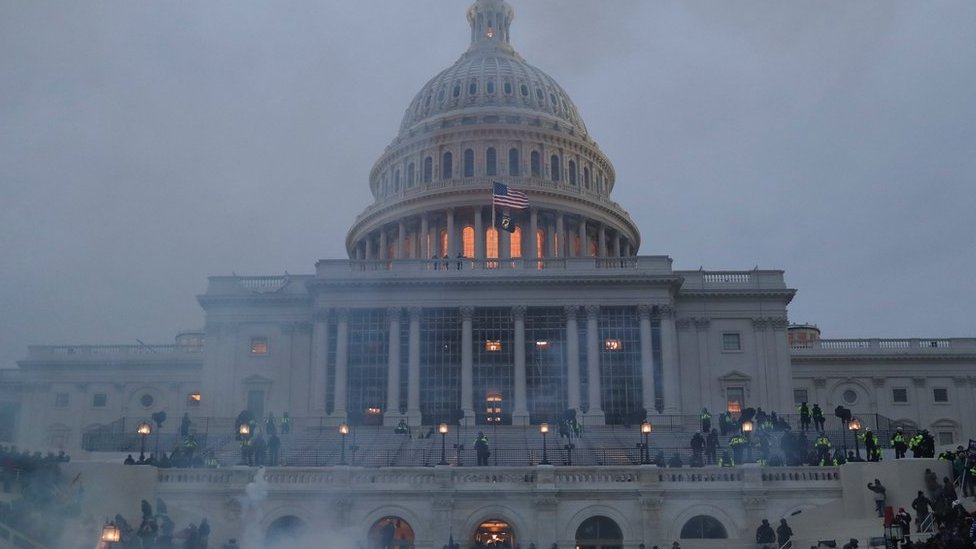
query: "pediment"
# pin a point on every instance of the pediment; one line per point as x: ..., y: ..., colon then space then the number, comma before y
x: 257, y: 380
x: 735, y: 376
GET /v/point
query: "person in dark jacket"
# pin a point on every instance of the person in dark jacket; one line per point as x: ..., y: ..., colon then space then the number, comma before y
x: 783, y: 533
x: 765, y: 536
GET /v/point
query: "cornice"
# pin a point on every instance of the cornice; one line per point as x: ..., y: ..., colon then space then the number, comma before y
x: 318, y: 284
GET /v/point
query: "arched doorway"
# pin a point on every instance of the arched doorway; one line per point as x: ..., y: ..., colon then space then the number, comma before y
x: 494, y: 534
x: 703, y: 527
x: 599, y: 533
x: 391, y: 533
x: 284, y: 532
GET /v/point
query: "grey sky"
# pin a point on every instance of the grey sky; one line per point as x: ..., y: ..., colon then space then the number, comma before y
x: 146, y: 145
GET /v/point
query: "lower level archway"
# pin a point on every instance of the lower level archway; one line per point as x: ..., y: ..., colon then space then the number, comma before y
x: 391, y: 532
x: 599, y: 533
x: 284, y: 532
x: 494, y: 534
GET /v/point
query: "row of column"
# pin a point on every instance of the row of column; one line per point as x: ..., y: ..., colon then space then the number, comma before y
x: 413, y: 241
x: 520, y: 411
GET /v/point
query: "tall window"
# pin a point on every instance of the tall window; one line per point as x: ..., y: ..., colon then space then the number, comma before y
x: 468, y: 163
x: 586, y: 177
x: 572, y: 172
x: 411, y: 175
x: 703, y: 527
x: 515, y: 240
x: 620, y: 360
x: 396, y: 181
x: 368, y: 351
x: 545, y: 360
x: 440, y: 354
x: 554, y: 167
x: 491, y: 247
x: 447, y: 166
x: 535, y: 164
x: 428, y: 169
x: 513, y: 162
x: 540, y: 243
x: 443, y: 240
x: 468, y: 235
x: 491, y: 161
x: 493, y: 373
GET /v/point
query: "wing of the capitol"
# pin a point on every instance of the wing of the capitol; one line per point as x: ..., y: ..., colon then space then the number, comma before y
x: 493, y: 365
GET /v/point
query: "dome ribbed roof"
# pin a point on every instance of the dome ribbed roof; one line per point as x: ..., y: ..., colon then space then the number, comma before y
x: 491, y: 76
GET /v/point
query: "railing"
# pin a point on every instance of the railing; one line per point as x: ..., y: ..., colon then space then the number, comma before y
x: 889, y: 345
x: 14, y: 538
x: 467, y: 266
x: 35, y: 352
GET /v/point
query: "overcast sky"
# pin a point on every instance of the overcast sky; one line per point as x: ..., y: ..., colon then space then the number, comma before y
x: 147, y: 145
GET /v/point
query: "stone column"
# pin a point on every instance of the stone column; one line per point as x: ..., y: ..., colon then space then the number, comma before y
x: 572, y: 358
x: 368, y: 241
x: 383, y: 254
x: 533, y: 243
x: 401, y: 240
x: 520, y: 411
x: 451, y: 237
x: 562, y: 244
x: 391, y: 415
x: 669, y: 357
x: 647, y: 358
x: 504, y: 244
x: 424, y: 238
x: 413, y: 369
x: 319, y: 362
x: 342, y: 365
x: 584, y: 245
x: 616, y: 245
x: 479, y: 235
x: 627, y: 248
x: 551, y: 239
x: 601, y: 245
x: 595, y: 409
x: 467, y: 365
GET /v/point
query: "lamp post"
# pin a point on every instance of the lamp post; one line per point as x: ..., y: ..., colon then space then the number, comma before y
x: 244, y: 429
x: 646, y: 429
x: 111, y: 533
x: 747, y: 430
x: 143, y: 429
x: 442, y: 429
x: 855, y: 425
x: 343, y: 430
x: 544, y: 429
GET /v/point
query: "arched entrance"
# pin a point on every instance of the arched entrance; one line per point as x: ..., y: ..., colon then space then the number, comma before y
x: 284, y: 532
x: 391, y: 533
x: 494, y: 534
x: 599, y: 533
x: 703, y: 527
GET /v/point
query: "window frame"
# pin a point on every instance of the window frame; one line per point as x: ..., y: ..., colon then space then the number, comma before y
x: 894, y: 398
x: 726, y: 348
x: 255, y: 348
x: 935, y: 399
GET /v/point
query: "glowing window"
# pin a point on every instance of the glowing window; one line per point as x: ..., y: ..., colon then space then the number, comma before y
x: 515, y: 239
x: 493, y: 345
x: 613, y: 345
x: 542, y: 345
x: 193, y: 399
x: 259, y: 345
x: 540, y: 243
x: 444, y: 242
x: 491, y: 247
x: 468, y: 236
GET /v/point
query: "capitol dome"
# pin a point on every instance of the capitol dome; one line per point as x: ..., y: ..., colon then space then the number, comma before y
x: 491, y: 117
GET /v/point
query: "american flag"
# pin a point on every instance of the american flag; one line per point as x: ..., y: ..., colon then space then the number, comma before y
x: 509, y: 198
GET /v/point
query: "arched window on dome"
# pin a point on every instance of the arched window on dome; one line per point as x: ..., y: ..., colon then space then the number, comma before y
x: 515, y: 239
x: 554, y: 167
x: 572, y: 172
x: 428, y: 169
x: 491, y: 161
x: 508, y: 88
x: 473, y: 87
x: 467, y: 236
x: 513, y: 162
x: 491, y: 243
x: 536, y: 164
x: 447, y: 166
x: 443, y: 239
x: 490, y: 87
x: 524, y: 90
x: 457, y: 90
x: 540, y: 243
x: 586, y: 177
x: 468, y: 163
x: 703, y: 527
x: 411, y: 175
x: 396, y: 181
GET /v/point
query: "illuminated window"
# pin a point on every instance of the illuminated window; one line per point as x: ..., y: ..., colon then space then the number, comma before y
x: 259, y: 345
x: 542, y: 345
x: 613, y: 345
x: 515, y: 240
x: 493, y: 345
x: 444, y: 241
x: 540, y: 243
x: 493, y: 408
x: 193, y: 399
x: 468, y: 237
x: 491, y: 247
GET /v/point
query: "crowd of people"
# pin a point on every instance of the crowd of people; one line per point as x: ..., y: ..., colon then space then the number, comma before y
x: 41, y: 497
x: 156, y: 530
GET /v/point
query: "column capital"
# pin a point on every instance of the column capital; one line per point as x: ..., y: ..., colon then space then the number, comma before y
x: 779, y: 323
x: 760, y: 324
x: 322, y: 315
x: 393, y: 313
x: 467, y: 312
x: 665, y: 311
x: 592, y: 310
x: 702, y: 324
x: 342, y: 313
x: 571, y: 311
x: 415, y: 312
x: 644, y: 312
x: 518, y: 312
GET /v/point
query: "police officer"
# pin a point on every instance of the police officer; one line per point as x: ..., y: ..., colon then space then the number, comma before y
x: 818, y: 418
x: 706, y: 421
x: 822, y: 444
x: 899, y: 443
x: 804, y: 416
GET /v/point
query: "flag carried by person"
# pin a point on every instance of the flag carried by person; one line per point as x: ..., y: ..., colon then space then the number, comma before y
x: 507, y: 197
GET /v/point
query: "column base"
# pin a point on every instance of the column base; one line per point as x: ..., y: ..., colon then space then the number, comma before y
x: 595, y: 417
x: 520, y: 418
x: 468, y: 419
x: 414, y: 418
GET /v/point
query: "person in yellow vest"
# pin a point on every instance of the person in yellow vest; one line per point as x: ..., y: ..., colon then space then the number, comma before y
x: 899, y: 442
x: 822, y: 444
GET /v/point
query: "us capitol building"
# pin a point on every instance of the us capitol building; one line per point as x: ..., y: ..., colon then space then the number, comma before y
x: 440, y: 316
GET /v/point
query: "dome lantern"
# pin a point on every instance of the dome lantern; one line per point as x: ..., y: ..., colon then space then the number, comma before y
x: 490, y: 21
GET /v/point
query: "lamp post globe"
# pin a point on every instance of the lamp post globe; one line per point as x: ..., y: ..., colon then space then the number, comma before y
x: 855, y: 425
x: 544, y: 429
x: 144, y: 429
x: 646, y: 429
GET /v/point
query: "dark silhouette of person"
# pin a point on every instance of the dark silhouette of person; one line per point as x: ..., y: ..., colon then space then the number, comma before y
x: 765, y: 535
x: 274, y: 447
x: 129, y: 460
x: 481, y: 448
x: 783, y: 533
